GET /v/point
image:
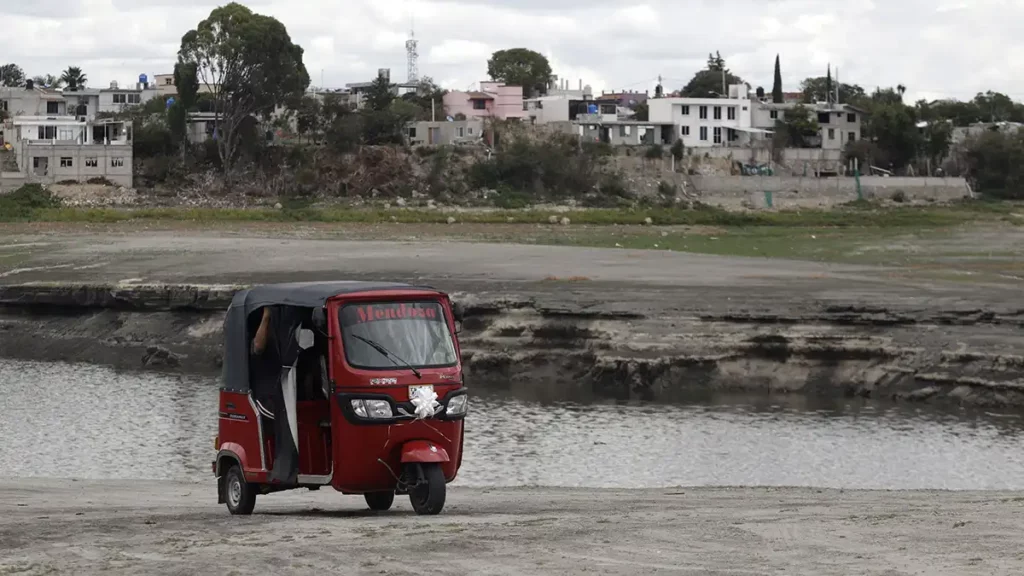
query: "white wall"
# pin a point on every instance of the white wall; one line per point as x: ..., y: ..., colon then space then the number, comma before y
x: 674, y: 110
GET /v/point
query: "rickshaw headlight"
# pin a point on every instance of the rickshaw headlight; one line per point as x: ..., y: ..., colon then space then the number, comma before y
x: 372, y: 409
x: 458, y: 405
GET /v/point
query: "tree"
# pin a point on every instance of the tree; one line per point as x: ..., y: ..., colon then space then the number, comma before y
x: 777, y: 84
x: 249, y: 64
x: 759, y: 93
x: 428, y: 98
x: 73, y: 78
x: 797, y: 128
x: 995, y: 107
x: 996, y: 163
x: 11, y: 75
x: 379, y: 95
x: 708, y: 82
x: 641, y: 112
x: 937, y: 137
x: 816, y: 90
x: 186, y: 81
x: 521, y: 67
x: 47, y: 81
x: 893, y: 129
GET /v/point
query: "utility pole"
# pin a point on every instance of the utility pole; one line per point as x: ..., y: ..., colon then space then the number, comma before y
x: 725, y: 94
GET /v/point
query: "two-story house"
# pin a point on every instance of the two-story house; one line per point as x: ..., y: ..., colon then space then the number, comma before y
x: 492, y: 100
x: 708, y: 122
x: 839, y: 124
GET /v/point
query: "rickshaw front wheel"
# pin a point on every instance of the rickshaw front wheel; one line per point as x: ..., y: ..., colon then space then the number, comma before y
x: 379, y: 501
x: 428, y: 496
x: 239, y: 494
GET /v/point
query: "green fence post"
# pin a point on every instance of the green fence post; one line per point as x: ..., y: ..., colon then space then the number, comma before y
x: 768, y: 198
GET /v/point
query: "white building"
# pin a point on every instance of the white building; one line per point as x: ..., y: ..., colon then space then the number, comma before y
x: 705, y: 122
x: 51, y: 149
x: 839, y: 124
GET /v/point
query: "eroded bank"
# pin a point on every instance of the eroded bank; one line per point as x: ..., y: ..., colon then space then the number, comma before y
x: 570, y: 343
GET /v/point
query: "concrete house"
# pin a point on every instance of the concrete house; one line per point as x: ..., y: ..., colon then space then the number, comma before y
x: 493, y: 100
x: 51, y: 149
x: 839, y: 124
x: 445, y: 133
x: 709, y: 122
x: 116, y: 99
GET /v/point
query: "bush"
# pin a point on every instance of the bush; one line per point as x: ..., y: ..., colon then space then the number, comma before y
x: 655, y: 152
x: 511, y: 200
x: 100, y: 180
x: 899, y: 196
x: 678, y: 150
x: 26, y: 201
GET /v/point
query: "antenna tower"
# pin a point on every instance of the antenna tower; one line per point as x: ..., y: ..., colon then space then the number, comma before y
x: 411, y: 56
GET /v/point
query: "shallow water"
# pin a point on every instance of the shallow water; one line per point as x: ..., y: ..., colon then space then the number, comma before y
x: 63, y: 420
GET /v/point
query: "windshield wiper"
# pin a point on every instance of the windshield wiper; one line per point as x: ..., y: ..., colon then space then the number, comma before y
x: 395, y: 358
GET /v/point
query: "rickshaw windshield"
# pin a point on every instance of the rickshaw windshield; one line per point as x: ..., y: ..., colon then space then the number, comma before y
x: 389, y: 335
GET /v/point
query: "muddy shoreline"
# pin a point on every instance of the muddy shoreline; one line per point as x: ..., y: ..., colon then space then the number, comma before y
x: 561, y: 342
x: 119, y: 527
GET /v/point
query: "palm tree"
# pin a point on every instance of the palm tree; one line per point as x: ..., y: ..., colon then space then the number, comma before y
x: 74, y: 78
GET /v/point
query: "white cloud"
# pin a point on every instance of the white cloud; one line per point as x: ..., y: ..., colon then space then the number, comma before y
x: 950, y: 48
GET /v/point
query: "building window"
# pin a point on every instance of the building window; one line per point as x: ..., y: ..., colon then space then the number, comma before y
x: 824, y: 118
x: 469, y: 130
x: 37, y: 161
x: 412, y: 132
x: 623, y: 132
x: 479, y: 105
x: 703, y: 112
x: 685, y: 130
x: 169, y: 81
x: 91, y: 162
x: 685, y: 110
x: 47, y: 132
x: 461, y: 131
x: 718, y: 112
x: 135, y: 98
x: 66, y: 162
x: 731, y: 113
x: 831, y: 133
x: 117, y: 162
x: 608, y: 109
x: 3, y: 105
x: 718, y: 135
x: 53, y: 108
x: 774, y: 114
x: 851, y: 118
x: 704, y: 133
x: 120, y: 98
x: 852, y: 137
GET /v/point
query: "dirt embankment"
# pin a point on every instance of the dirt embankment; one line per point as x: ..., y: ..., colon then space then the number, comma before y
x: 139, y: 527
x: 570, y: 345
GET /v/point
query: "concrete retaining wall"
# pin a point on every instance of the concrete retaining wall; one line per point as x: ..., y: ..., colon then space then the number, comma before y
x: 790, y: 191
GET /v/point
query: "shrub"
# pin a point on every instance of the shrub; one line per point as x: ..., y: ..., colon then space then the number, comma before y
x: 100, y: 180
x: 26, y: 201
x: 655, y: 152
x: 678, y: 150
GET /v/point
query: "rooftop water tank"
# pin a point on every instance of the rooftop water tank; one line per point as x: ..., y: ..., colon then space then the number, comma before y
x: 113, y: 84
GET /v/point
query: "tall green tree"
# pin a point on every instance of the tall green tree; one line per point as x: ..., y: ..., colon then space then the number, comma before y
x: 428, y: 98
x: 73, y: 78
x: 11, y: 75
x: 521, y: 67
x: 777, y: 84
x: 186, y: 81
x: 996, y: 163
x: 816, y: 90
x: 797, y: 128
x: 707, y: 83
x: 249, y: 63
x: 936, y: 139
x: 893, y: 129
x: 380, y: 95
x: 995, y: 107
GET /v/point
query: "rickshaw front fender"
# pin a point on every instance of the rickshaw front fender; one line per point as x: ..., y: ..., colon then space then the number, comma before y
x: 421, y: 451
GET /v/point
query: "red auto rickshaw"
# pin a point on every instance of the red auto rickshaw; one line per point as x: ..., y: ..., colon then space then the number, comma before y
x: 369, y: 398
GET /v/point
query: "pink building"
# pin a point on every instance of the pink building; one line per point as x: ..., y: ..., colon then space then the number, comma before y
x: 494, y: 99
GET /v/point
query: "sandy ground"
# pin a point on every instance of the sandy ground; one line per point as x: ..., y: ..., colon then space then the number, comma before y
x: 79, y: 527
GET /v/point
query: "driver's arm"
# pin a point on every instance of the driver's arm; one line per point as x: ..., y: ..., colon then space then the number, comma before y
x: 259, y: 342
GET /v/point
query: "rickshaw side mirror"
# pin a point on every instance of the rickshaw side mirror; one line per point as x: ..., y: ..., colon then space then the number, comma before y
x: 305, y: 338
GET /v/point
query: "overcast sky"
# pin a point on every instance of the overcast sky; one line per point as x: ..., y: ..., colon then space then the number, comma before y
x: 937, y: 48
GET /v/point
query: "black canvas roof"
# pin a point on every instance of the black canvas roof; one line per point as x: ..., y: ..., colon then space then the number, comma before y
x: 235, y: 369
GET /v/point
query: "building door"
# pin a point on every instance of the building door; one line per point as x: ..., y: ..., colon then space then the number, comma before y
x: 433, y: 136
x: 40, y: 165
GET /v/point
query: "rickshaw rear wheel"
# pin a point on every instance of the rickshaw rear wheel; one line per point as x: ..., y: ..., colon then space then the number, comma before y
x: 239, y: 494
x: 379, y: 501
x: 427, y: 498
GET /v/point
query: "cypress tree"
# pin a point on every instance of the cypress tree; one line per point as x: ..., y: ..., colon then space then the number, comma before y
x: 777, y: 85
